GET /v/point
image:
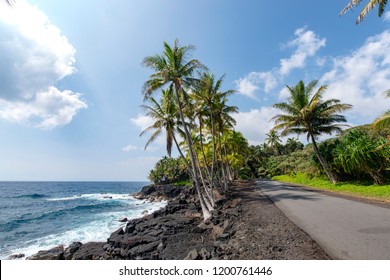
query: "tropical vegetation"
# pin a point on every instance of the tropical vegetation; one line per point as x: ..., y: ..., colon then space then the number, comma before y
x: 190, y: 108
x: 306, y: 112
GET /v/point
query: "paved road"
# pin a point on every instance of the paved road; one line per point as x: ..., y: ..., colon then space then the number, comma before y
x: 345, y: 229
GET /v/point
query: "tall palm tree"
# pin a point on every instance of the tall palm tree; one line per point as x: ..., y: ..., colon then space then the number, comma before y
x: 206, y: 96
x: 273, y: 140
x: 369, y: 6
x: 165, y: 117
x: 384, y: 120
x: 308, y: 113
x: 174, y: 68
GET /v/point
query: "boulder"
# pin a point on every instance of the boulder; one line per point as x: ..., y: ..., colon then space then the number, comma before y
x: 16, y: 256
x: 90, y: 251
x: 69, y: 252
x: 56, y: 253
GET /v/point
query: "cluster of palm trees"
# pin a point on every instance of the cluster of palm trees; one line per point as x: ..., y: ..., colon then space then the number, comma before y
x: 193, y: 112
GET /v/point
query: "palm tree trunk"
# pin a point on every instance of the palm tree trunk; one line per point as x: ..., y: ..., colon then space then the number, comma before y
x: 214, y: 150
x: 206, y: 212
x: 202, y: 149
x: 324, y: 165
x: 183, y: 157
x: 224, y: 180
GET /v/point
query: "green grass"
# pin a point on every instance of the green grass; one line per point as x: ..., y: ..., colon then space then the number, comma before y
x: 361, y: 189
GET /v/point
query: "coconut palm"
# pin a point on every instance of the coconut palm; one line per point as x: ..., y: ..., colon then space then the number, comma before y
x: 369, y: 6
x: 308, y: 113
x: 273, y: 140
x: 384, y: 120
x: 206, y: 96
x: 165, y: 117
x: 173, y: 68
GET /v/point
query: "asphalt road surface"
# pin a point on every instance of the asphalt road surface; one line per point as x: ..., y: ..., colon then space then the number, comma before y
x: 344, y: 228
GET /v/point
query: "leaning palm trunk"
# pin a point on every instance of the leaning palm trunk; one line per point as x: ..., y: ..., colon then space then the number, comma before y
x: 202, y: 150
x: 324, y: 165
x: 206, y: 212
x: 183, y: 157
x: 207, y: 198
x: 223, y: 177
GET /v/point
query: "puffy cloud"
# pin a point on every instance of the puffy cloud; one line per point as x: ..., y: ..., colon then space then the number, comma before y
x: 255, y: 123
x: 306, y: 44
x: 45, y: 110
x: 35, y: 56
x: 142, y: 121
x: 250, y: 83
x: 361, y: 77
x: 246, y: 87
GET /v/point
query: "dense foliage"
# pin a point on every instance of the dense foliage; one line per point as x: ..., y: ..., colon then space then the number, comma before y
x: 169, y: 171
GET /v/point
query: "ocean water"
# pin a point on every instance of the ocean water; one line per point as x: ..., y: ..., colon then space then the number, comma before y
x: 40, y: 215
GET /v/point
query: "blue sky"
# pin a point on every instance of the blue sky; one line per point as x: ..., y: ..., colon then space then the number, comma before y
x: 71, y: 74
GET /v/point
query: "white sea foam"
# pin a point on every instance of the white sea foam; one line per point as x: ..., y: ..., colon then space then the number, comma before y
x: 98, y: 230
x: 95, y: 196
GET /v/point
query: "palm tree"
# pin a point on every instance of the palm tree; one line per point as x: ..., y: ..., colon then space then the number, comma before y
x: 308, y: 113
x: 384, y: 120
x: 369, y: 6
x: 207, y: 95
x: 165, y: 116
x: 173, y: 68
x: 273, y: 140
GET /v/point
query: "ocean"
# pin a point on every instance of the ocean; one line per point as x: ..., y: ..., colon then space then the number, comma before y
x: 40, y: 215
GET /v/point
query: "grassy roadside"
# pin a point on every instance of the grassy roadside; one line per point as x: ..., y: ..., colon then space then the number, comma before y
x: 360, y: 189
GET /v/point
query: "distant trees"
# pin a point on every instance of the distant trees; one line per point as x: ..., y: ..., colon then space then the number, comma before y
x: 369, y: 6
x: 307, y: 113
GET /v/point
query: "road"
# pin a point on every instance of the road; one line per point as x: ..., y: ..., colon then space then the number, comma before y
x: 344, y: 228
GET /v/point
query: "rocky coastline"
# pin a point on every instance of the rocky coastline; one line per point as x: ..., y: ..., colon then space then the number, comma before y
x: 245, y: 225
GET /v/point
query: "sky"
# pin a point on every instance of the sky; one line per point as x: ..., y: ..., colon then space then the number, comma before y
x: 71, y: 74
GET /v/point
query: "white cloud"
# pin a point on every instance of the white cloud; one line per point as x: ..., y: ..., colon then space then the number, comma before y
x: 129, y: 148
x: 246, y: 87
x: 255, y: 123
x: 35, y: 56
x: 361, y: 77
x: 142, y: 121
x: 45, y: 110
x: 306, y: 44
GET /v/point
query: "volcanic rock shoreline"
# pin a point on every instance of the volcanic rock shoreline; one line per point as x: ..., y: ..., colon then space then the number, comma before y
x: 245, y: 225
